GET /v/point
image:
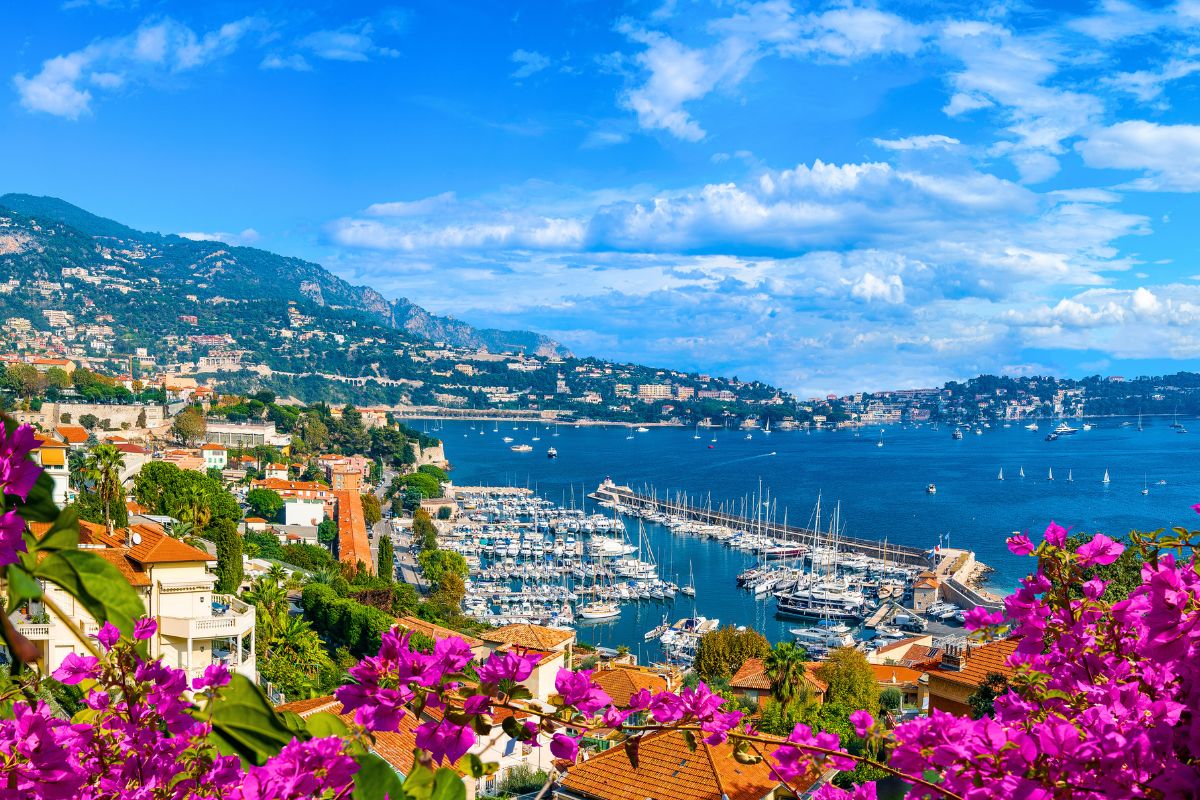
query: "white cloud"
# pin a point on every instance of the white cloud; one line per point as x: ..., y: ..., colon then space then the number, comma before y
x: 295, y: 62
x: 354, y: 42
x: 529, y: 62
x: 1169, y: 155
x: 888, y: 289
x: 412, y: 208
x: 1148, y: 85
x: 545, y: 233
x: 929, y: 142
x: 157, y: 49
x: 601, y: 138
x: 247, y: 237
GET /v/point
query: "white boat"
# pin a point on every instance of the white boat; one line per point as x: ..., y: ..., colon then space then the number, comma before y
x: 1050, y: 476
x: 642, y: 429
x: 767, y: 429
x: 749, y: 436
x: 1070, y: 478
x: 1000, y: 477
x: 1105, y: 479
x: 1063, y: 429
x: 1087, y: 426
x: 599, y: 611
x: 507, y: 439
x: 521, y: 448
x: 1033, y: 426
x: 931, y: 489
x: 552, y: 453
x: 880, y: 442
x: 1021, y: 473
x: 829, y: 637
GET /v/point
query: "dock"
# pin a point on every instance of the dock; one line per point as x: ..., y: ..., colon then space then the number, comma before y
x: 687, y: 508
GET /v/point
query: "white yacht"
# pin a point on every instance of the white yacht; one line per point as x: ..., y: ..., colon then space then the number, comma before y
x: 599, y: 611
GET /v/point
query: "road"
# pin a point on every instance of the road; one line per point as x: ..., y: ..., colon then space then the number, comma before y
x: 406, y: 565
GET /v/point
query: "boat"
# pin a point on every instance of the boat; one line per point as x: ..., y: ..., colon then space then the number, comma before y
x: 696, y: 435
x: 1052, y: 437
x: 507, y: 439
x: 1070, y: 478
x: 1087, y: 426
x: 880, y: 442
x: 824, y: 637
x: 599, y: 610
x: 521, y: 448
x: 1105, y: 479
x: 1145, y: 486
x: 931, y: 489
x: 1000, y: 477
x: 657, y: 631
x: 552, y: 453
x: 1140, y: 422
x: 767, y: 429
x: 749, y: 436
x: 642, y: 429
x: 958, y: 434
x: 1063, y: 429
x: 690, y: 589
x: 1050, y: 477
x: 1021, y: 472
x: 1033, y: 426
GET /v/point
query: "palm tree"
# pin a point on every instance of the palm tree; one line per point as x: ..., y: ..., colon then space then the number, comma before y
x: 277, y: 574
x: 785, y: 668
x: 103, y: 467
x: 193, y: 507
x: 77, y: 467
x: 324, y: 575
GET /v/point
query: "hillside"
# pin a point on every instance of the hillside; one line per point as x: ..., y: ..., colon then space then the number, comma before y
x: 44, y: 235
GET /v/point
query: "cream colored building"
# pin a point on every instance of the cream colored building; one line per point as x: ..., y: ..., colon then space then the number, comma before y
x: 196, y: 627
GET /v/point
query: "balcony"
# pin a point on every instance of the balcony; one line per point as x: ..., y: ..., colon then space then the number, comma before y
x: 33, y: 632
x: 229, y: 617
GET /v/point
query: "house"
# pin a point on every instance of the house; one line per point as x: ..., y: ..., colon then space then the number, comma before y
x: 277, y: 472
x: 925, y: 592
x: 353, y: 546
x: 196, y: 628
x: 135, y: 457
x: 51, y: 456
x: 622, y: 681
x: 751, y: 682
x: 215, y: 456
x: 961, y: 671
x: 555, y: 646
x: 908, y: 652
x: 303, y: 512
x: 479, y: 648
x: 668, y: 769
x: 906, y: 680
x: 74, y: 436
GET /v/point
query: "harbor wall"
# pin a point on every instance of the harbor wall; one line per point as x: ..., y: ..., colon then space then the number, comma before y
x: 899, y: 554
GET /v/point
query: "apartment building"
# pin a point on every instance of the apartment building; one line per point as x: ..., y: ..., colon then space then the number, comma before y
x: 196, y: 627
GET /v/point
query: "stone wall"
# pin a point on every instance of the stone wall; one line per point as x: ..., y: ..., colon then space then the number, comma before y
x: 51, y: 414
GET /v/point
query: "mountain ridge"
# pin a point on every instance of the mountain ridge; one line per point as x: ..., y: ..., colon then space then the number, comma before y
x: 307, y: 279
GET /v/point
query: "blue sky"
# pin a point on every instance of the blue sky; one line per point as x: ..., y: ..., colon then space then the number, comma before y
x: 827, y: 196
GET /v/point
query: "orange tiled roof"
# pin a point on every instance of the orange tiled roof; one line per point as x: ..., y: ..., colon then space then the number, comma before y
x: 978, y: 662
x: 435, y: 631
x: 72, y: 434
x: 211, y: 446
x: 157, y: 548
x: 537, y: 637
x: 119, y: 558
x: 353, y: 544
x: 751, y: 675
x: 621, y: 684
x: 668, y: 770
x: 909, y: 643
x: 895, y: 675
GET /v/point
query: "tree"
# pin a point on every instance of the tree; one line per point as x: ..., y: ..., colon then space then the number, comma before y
x: 723, y: 651
x: 424, y: 483
x: 189, y: 426
x: 982, y: 701
x: 166, y: 489
x: 265, y: 503
x: 25, y: 380
x: 387, y: 558
x: 229, y: 555
x: 103, y: 470
x: 327, y: 532
x: 438, y: 564
x: 446, y: 600
x: 372, y: 510
x: 57, y: 378
x: 890, y: 700
x: 785, y: 666
x: 436, y: 473
x: 424, y: 532
x: 89, y: 421
x: 850, y: 680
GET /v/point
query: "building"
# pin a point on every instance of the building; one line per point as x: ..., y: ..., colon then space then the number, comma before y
x: 74, y: 436
x: 751, y: 682
x: 925, y: 592
x: 353, y: 546
x: 347, y: 479
x: 303, y: 512
x: 479, y: 648
x: 196, y: 628
x: 215, y: 456
x: 51, y: 455
x: 245, y: 434
x: 961, y: 671
x: 555, y: 646
x: 275, y: 472
x: 668, y: 769
x: 905, y: 680
x: 654, y: 391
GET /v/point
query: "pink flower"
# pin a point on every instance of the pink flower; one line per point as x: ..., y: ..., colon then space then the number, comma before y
x: 11, y: 540
x: 862, y: 722
x: 444, y: 740
x: 76, y: 668
x: 1100, y: 550
x: 1020, y: 545
x: 1094, y: 589
x: 507, y: 666
x: 215, y: 676
x: 564, y: 747
x: 700, y: 702
x: 108, y: 635
x: 478, y: 704
x: 1056, y: 534
x: 1196, y: 508
x: 18, y: 473
x: 144, y: 628
x: 980, y: 617
x: 577, y: 689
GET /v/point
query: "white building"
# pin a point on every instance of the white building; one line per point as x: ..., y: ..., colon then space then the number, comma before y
x: 215, y: 456
x: 303, y: 512
x: 245, y: 434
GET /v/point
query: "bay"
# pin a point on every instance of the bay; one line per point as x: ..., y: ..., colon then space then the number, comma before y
x: 881, y: 491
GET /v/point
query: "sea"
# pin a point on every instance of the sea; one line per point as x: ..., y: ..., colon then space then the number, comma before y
x: 879, y: 491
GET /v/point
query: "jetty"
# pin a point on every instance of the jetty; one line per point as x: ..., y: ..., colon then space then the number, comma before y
x: 686, y: 507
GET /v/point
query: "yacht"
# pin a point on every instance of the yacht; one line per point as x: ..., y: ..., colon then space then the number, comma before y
x: 958, y: 434
x: 1063, y: 429
x: 521, y: 448
x: 880, y: 442
x: 829, y: 637
x: 1000, y: 477
x: 1033, y: 426
x: 599, y: 610
x: 552, y: 453
x: 507, y: 439
x: 931, y: 489
x: 642, y: 429
x: 1105, y: 480
x: 1087, y: 426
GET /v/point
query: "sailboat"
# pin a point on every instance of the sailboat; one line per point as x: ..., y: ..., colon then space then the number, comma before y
x: 630, y: 436
x: 1050, y: 477
x: 1139, y: 422
x: 1070, y: 479
x: 1105, y: 479
x: 767, y: 429
x: 880, y: 442
x: 696, y: 435
x: 690, y: 589
x: 1146, y: 485
x: 1021, y: 473
x: 1000, y: 477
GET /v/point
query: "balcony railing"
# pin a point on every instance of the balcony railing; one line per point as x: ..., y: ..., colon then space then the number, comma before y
x: 33, y: 631
x: 230, y: 617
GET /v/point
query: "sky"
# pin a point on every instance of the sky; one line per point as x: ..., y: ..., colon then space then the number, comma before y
x: 830, y: 197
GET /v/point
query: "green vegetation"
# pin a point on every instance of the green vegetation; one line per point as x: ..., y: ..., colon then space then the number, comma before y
x: 343, y: 621
x: 289, y: 653
x: 189, y: 426
x: 327, y: 532
x: 982, y: 701
x: 386, y: 567
x: 230, y: 574
x: 372, y: 510
x: 785, y: 666
x: 722, y: 652
x: 264, y: 503
x: 189, y: 496
x: 850, y: 679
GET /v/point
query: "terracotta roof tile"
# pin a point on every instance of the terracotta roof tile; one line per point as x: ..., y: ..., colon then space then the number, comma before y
x: 621, y: 683
x: 895, y: 675
x: 156, y: 547
x: 537, y: 637
x: 978, y: 662
x: 72, y: 434
x: 668, y: 770
x: 436, y: 631
x: 751, y: 675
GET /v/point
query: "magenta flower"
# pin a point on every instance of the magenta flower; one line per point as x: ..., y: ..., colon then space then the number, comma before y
x: 700, y: 702
x: 1100, y: 550
x: 564, y: 747
x: 444, y: 740
x: 1020, y: 544
x: 718, y: 726
x: 478, y: 704
x: 862, y: 722
x: 1056, y: 534
x: 76, y: 668
x: 108, y: 635
x: 666, y: 708
x: 577, y: 690
x: 507, y: 666
x: 18, y: 473
x: 144, y: 628
x: 215, y: 676
x: 12, y: 542
x: 980, y: 617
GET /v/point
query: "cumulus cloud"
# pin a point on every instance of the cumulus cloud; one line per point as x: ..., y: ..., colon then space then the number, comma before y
x: 930, y: 142
x: 247, y: 237
x: 157, y: 50
x: 1167, y: 155
x: 354, y: 42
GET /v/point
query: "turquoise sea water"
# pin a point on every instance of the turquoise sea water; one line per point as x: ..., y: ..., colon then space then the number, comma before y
x: 881, y: 491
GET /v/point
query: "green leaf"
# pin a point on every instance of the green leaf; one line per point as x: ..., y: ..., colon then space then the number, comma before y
x: 245, y: 725
x: 376, y: 780
x: 40, y: 506
x: 519, y: 692
x: 474, y: 765
x: 448, y: 785
x: 324, y: 724
x: 97, y: 584
x: 419, y: 783
x: 21, y: 587
x: 63, y: 533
